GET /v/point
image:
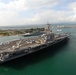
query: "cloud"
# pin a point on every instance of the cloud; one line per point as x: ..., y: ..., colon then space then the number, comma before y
x: 52, y: 16
x: 72, y: 7
x: 27, y: 4
x: 7, y: 17
x: 10, y: 11
x: 13, y: 12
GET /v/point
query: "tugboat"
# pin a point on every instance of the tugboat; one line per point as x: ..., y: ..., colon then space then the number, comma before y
x: 22, y: 47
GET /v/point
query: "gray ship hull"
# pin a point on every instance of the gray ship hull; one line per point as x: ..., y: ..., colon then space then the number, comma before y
x: 35, y: 49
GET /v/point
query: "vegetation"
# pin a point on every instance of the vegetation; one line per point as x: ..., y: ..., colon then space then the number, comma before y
x: 21, y: 31
x: 4, y: 34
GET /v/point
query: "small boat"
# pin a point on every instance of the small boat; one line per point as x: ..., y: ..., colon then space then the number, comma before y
x: 59, y: 30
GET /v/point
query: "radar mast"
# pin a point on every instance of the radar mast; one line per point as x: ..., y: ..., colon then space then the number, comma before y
x: 48, y: 31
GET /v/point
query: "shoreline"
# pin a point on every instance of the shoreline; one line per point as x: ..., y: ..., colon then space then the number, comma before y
x: 19, y: 32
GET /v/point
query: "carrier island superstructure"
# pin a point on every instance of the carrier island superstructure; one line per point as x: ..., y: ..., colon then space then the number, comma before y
x: 17, y: 48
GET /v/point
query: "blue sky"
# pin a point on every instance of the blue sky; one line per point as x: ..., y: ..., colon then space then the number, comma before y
x: 25, y: 12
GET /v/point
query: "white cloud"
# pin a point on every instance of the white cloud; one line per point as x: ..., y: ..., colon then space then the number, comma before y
x: 7, y: 17
x: 27, y: 4
x: 16, y: 5
x: 10, y: 12
x: 2, y: 5
x: 52, y: 16
x: 72, y: 7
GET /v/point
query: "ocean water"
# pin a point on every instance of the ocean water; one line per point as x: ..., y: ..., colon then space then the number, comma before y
x: 62, y: 61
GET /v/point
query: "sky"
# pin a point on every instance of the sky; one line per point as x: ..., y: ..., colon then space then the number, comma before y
x: 29, y: 12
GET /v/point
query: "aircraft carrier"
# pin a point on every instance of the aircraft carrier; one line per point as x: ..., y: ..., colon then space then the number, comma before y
x: 18, y: 48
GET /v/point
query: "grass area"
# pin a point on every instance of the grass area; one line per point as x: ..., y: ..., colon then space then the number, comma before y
x: 21, y: 31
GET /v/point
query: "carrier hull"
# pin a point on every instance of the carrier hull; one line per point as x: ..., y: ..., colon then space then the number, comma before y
x: 29, y: 50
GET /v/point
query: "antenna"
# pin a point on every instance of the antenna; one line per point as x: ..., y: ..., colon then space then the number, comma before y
x: 48, y: 31
x: 48, y: 26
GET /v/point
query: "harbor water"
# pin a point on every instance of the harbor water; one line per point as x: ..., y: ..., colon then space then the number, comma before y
x: 60, y: 62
